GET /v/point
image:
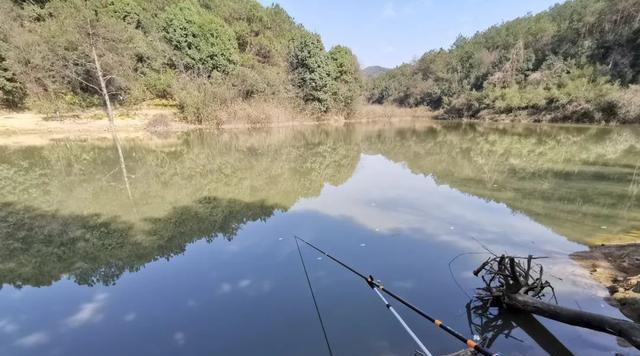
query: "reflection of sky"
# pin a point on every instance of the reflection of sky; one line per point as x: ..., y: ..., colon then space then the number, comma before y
x: 249, y: 295
x: 385, y: 197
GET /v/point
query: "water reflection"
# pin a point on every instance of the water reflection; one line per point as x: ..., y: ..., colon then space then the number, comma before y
x: 398, y: 202
x: 491, y: 323
x: 39, y: 247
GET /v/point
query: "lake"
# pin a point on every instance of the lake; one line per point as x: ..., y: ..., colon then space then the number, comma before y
x: 198, y: 256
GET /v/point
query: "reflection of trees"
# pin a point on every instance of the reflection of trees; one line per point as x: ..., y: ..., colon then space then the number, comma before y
x: 548, y: 173
x: 38, y: 247
x: 209, y: 217
x: 202, y: 186
x: 277, y: 167
x: 545, y: 173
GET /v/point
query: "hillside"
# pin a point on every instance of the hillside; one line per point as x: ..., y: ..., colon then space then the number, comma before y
x: 373, y: 71
x: 578, y: 61
x: 206, y: 57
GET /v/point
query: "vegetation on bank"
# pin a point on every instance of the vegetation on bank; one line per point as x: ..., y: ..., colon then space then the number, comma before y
x: 206, y: 56
x: 578, y: 61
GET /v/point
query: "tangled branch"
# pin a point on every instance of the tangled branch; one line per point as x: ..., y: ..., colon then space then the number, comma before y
x: 505, y: 274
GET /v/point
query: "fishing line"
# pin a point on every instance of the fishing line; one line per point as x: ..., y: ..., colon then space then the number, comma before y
x: 315, y: 303
x: 455, y: 280
x: 438, y: 323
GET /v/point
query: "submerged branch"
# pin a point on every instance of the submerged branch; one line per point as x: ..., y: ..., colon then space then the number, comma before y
x: 517, y: 283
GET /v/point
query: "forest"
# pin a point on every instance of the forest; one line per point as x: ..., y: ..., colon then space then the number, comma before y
x: 579, y: 61
x: 200, y: 55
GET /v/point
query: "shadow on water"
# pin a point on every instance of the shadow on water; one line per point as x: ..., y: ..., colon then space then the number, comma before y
x: 492, y: 323
x: 39, y: 247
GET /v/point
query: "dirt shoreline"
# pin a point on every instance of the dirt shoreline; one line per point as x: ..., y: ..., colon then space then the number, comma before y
x: 29, y: 128
x: 617, y: 267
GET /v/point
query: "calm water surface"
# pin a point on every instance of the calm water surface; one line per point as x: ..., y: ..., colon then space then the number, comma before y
x: 200, y: 260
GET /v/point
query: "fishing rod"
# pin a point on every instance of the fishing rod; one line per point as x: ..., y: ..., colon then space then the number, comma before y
x: 377, y: 286
x: 425, y: 351
x: 423, y: 348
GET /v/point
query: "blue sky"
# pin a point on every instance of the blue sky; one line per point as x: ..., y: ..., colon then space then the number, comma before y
x: 390, y: 32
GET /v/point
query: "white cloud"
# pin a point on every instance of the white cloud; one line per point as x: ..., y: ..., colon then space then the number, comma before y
x: 267, y: 286
x: 244, y: 283
x: 7, y: 326
x: 432, y: 216
x: 35, y: 339
x: 88, y: 312
x: 389, y: 10
x: 129, y: 317
x: 179, y: 338
x: 385, y: 47
x: 404, y: 284
x: 225, y: 288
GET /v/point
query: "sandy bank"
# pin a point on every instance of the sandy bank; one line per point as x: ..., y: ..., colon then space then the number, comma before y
x: 618, y: 268
x: 28, y: 128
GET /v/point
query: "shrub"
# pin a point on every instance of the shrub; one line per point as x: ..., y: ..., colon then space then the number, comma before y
x: 200, y: 99
x: 627, y: 104
x: 348, y: 80
x: 312, y: 72
x: 247, y: 83
x: 159, y: 84
x: 207, y: 43
x: 466, y: 105
x: 127, y: 11
x: 158, y: 122
x: 12, y: 93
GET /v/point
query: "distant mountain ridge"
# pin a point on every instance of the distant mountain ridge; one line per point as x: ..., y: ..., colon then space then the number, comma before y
x: 374, y: 71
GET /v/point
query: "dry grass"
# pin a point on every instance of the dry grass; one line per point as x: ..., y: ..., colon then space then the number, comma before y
x: 159, y: 122
x: 236, y: 114
x: 260, y: 113
x: 390, y: 112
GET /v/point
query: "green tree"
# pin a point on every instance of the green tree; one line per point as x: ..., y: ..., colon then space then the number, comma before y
x: 239, y: 50
x: 312, y: 72
x: 518, y: 66
x: 348, y: 79
x: 206, y: 42
x: 127, y: 11
x: 12, y: 92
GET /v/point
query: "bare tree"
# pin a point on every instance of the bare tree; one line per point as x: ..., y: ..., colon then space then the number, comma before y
x: 108, y: 108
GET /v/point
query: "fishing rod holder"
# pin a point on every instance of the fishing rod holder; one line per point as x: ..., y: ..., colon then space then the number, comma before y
x: 373, y: 283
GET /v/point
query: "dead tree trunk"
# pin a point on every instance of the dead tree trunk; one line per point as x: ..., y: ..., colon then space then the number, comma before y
x: 109, y: 109
x: 103, y: 85
x: 515, y: 283
x: 627, y: 330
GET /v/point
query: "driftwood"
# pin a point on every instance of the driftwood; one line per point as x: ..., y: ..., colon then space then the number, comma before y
x: 516, y: 283
x: 490, y: 323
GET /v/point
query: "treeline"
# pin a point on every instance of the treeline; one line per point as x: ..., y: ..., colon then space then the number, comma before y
x: 203, y: 55
x: 578, y: 61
